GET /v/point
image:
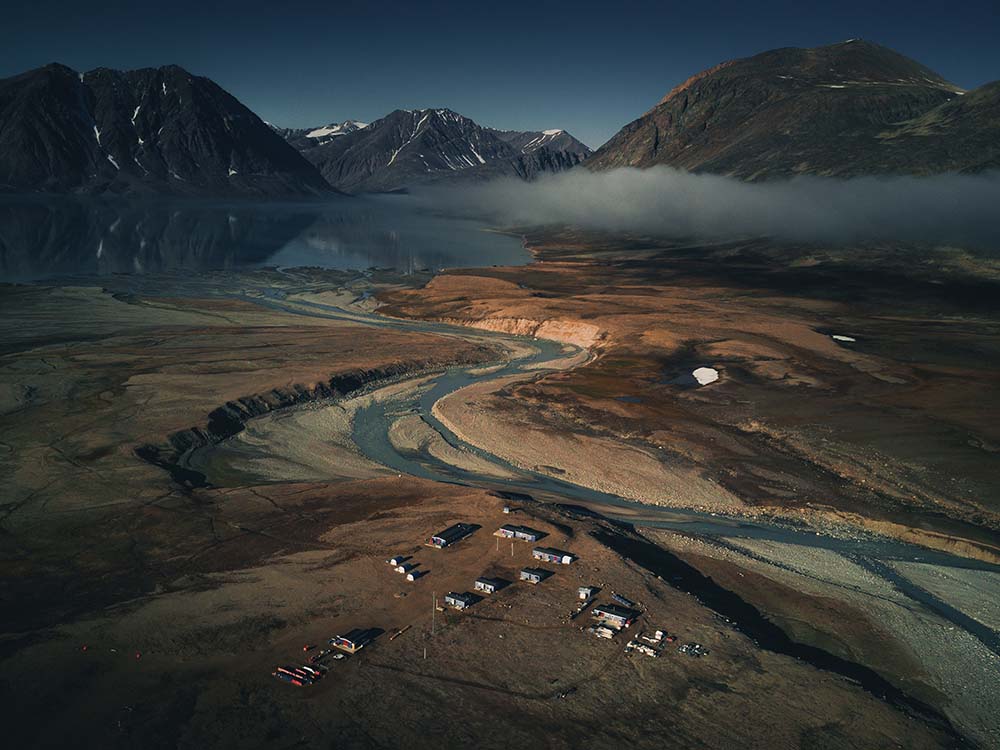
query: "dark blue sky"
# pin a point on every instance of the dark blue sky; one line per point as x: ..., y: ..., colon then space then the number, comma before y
x: 585, y: 66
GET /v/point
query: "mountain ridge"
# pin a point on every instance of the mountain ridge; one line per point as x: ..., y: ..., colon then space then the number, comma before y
x: 149, y: 130
x: 829, y: 111
x: 305, y: 138
x: 413, y: 147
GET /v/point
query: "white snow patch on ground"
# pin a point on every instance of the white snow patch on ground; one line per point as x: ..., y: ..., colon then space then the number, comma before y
x: 838, y: 337
x: 164, y: 86
x: 97, y: 135
x: 551, y: 132
x: 232, y: 171
x: 100, y: 248
x: 113, y: 162
x: 705, y: 375
x: 136, y: 113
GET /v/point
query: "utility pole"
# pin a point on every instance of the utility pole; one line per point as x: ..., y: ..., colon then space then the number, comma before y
x: 512, y: 549
x: 434, y: 606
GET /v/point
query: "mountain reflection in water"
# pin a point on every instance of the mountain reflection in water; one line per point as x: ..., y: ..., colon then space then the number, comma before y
x: 45, y: 238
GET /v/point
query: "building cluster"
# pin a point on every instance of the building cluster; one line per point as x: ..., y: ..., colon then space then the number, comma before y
x: 609, y: 619
x: 534, y: 575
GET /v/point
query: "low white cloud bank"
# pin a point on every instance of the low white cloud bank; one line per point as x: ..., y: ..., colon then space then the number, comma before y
x: 944, y: 209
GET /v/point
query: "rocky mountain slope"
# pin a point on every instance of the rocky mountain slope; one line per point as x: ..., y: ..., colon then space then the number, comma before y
x: 411, y: 147
x: 306, y: 138
x: 961, y: 135
x: 846, y: 109
x: 153, y: 130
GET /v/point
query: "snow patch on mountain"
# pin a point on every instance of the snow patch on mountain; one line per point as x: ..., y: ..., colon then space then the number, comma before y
x: 337, y: 128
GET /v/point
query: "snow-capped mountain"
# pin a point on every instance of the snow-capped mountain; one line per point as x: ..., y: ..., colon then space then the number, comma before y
x: 529, y: 141
x: 139, y: 131
x: 411, y: 147
x: 306, y: 138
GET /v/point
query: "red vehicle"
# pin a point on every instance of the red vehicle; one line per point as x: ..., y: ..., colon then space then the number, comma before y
x: 291, y: 679
x: 294, y: 676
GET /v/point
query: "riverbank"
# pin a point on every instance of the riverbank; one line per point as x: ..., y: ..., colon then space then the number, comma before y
x: 191, y: 666
x: 212, y: 584
x: 90, y: 376
x: 879, y: 433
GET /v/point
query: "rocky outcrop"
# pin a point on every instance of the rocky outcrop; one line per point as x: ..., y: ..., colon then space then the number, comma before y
x: 231, y: 418
x: 573, y: 332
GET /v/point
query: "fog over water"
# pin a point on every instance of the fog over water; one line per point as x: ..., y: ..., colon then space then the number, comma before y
x: 441, y: 227
x: 960, y: 209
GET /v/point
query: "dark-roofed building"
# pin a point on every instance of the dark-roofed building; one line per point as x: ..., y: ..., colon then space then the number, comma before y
x: 535, y: 575
x: 451, y: 535
x: 460, y: 601
x: 524, y: 533
x: 490, y: 585
x: 550, y: 554
x: 612, y: 614
x: 353, y: 641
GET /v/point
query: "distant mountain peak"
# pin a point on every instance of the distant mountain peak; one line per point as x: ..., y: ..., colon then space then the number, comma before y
x: 415, y: 146
x: 336, y: 129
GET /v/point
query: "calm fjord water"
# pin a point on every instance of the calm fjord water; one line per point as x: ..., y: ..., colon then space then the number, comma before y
x: 47, y: 238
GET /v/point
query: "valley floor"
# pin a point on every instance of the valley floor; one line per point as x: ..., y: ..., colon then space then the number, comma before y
x: 147, y: 601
